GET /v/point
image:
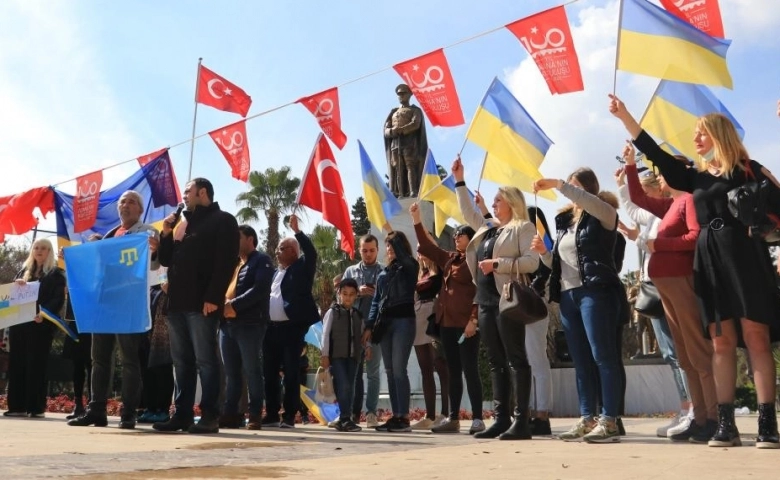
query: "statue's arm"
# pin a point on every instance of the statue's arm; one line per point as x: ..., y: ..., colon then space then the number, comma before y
x: 413, y: 125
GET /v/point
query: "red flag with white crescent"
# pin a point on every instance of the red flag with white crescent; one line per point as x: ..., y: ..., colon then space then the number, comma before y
x: 547, y: 38
x: 702, y: 14
x: 85, y: 204
x: 429, y: 78
x: 231, y: 140
x: 325, y: 108
x: 323, y: 191
x: 216, y: 91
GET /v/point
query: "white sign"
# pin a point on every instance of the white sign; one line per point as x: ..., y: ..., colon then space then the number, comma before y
x: 17, y: 303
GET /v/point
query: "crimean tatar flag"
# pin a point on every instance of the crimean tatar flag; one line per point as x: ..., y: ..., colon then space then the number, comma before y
x: 675, y: 108
x: 514, y: 143
x: 656, y: 43
x: 381, y: 204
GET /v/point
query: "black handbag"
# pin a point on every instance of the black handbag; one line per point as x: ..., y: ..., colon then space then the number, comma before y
x: 648, y: 301
x: 433, y: 329
x: 749, y: 203
x: 520, y: 303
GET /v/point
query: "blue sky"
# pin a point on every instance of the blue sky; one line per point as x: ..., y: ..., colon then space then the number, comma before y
x: 85, y: 84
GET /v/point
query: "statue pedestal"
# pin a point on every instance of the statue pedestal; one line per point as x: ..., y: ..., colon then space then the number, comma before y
x: 403, y: 223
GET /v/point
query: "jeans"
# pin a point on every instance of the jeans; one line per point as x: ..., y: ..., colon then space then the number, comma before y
x: 102, y: 356
x: 396, y: 348
x: 344, y: 371
x: 194, y: 351
x: 282, y: 349
x: 373, y: 369
x: 462, y: 360
x: 590, y: 321
x: 536, y: 348
x: 665, y: 343
x: 242, y: 355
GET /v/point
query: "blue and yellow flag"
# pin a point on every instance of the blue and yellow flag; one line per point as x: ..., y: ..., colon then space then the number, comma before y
x: 441, y: 193
x: 381, y: 204
x: 156, y: 183
x: 59, y: 323
x: 107, y: 283
x: 514, y: 143
x: 654, y: 42
x: 675, y: 108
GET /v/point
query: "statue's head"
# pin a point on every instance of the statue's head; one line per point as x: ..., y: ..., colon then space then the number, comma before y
x: 404, y: 93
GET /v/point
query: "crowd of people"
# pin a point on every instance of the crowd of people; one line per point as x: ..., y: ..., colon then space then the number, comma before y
x: 222, y: 297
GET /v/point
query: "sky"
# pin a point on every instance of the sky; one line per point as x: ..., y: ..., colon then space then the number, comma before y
x: 85, y: 85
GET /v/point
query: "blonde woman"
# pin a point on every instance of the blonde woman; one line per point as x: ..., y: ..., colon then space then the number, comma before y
x: 500, y: 249
x: 31, y: 341
x: 428, y: 285
x: 733, y: 275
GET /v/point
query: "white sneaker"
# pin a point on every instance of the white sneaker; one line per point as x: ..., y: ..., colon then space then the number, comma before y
x: 424, y: 424
x: 673, y: 422
x: 583, y: 427
x: 440, y: 420
x: 476, y: 427
x: 371, y: 420
x: 683, y: 423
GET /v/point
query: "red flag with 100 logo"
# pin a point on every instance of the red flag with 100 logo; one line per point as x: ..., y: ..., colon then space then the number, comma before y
x: 85, y: 204
x: 325, y: 108
x: 323, y: 191
x: 232, y: 142
x: 429, y: 78
x: 702, y: 14
x: 547, y: 38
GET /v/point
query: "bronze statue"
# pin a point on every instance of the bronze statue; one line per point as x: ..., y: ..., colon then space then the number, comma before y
x: 406, y: 145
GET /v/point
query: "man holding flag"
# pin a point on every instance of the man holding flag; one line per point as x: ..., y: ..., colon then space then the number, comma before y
x: 130, y: 208
x: 201, y: 258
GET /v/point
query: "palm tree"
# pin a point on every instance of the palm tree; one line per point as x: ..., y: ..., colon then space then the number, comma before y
x: 331, y: 261
x: 273, y: 192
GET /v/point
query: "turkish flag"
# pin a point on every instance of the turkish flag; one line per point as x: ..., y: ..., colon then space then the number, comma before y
x: 322, y: 190
x: 85, y: 205
x: 16, y: 211
x: 325, y: 108
x: 217, y: 92
x: 144, y: 159
x: 547, y: 38
x: 430, y: 80
x: 702, y: 14
x: 232, y: 142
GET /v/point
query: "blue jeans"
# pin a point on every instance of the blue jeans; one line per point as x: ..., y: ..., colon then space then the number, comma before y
x: 396, y: 349
x: 344, y: 371
x: 665, y: 343
x: 194, y: 351
x: 242, y: 355
x: 590, y: 317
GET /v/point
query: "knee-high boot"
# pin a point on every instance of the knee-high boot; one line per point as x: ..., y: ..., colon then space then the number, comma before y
x: 519, y: 429
x: 502, y: 387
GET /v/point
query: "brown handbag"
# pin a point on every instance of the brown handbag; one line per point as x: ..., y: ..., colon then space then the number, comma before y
x: 519, y: 302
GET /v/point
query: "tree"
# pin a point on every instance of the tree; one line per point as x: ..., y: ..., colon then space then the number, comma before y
x: 442, y: 171
x: 331, y: 261
x: 273, y: 192
x: 360, y: 223
x: 11, y: 260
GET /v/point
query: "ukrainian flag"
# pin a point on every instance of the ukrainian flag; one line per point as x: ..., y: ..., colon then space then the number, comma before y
x: 514, y: 143
x: 674, y: 110
x: 654, y: 42
x: 441, y: 193
x: 381, y: 204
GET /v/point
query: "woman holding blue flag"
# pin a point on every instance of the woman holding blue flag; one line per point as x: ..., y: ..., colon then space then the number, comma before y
x: 31, y: 341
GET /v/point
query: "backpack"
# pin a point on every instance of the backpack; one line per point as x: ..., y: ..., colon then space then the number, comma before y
x: 749, y: 203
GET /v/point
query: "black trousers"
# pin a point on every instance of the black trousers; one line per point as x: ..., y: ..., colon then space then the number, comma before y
x: 462, y: 360
x: 282, y: 346
x: 30, y: 346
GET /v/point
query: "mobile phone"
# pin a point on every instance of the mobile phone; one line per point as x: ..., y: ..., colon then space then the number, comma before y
x: 370, y: 285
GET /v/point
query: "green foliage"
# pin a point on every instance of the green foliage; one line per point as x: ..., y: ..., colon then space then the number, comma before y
x: 12, y: 258
x: 273, y: 192
x: 331, y: 261
x: 360, y: 223
x: 442, y: 171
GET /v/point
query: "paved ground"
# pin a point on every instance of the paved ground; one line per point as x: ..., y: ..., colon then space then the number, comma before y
x: 47, y: 448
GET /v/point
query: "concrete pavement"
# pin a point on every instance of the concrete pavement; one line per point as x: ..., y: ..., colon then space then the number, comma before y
x: 48, y: 448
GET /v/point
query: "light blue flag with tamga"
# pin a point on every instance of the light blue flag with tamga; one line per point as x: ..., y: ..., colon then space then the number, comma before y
x: 107, y: 283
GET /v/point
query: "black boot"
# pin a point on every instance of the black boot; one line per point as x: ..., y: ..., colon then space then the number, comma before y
x: 519, y: 429
x: 78, y: 410
x: 95, y: 415
x: 501, y: 422
x: 767, y: 427
x: 727, y: 434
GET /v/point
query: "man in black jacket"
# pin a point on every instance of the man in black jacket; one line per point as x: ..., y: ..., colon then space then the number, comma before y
x: 242, y: 332
x: 292, y: 311
x: 201, y: 256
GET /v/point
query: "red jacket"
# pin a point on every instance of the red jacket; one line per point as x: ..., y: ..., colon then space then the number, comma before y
x: 677, y: 232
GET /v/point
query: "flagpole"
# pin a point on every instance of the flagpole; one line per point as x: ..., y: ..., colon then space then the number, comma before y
x: 617, y: 48
x: 655, y: 92
x: 472, y: 118
x: 482, y: 172
x: 194, y: 120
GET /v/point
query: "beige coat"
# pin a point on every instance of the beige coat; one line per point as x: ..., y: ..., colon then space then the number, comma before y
x: 512, y: 249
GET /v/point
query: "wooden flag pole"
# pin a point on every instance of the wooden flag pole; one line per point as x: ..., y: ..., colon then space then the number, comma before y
x: 194, y: 120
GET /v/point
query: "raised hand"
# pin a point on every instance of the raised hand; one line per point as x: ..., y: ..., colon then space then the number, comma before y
x: 457, y: 169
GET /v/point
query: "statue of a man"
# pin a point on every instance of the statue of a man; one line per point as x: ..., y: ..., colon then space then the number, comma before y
x: 406, y: 144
